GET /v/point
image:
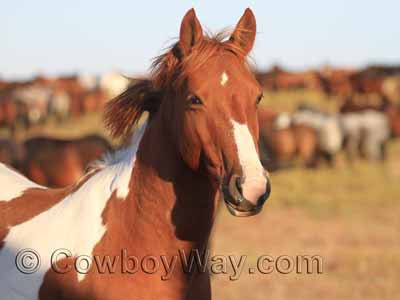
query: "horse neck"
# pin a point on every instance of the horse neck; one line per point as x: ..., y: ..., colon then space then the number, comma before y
x: 171, y: 203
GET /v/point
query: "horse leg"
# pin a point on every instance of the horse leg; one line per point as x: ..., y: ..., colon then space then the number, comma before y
x: 383, y: 151
x: 352, y: 147
x: 372, y: 149
x: 35, y: 173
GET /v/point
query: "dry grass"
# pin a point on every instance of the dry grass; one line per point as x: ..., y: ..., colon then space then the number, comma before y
x: 349, y: 216
x: 289, y: 100
x: 71, y: 128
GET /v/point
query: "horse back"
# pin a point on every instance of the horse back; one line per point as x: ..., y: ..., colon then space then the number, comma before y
x: 22, y: 199
x: 13, y: 183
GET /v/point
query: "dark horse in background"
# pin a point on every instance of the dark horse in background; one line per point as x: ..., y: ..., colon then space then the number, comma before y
x: 158, y: 196
x: 51, y: 161
x: 11, y: 153
x: 58, y: 163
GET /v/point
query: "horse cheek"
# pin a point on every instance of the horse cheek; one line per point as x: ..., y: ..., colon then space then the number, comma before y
x: 191, y: 155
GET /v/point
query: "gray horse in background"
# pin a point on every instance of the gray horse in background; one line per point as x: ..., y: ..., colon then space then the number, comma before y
x: 327, y: 126
x: 366, y: 134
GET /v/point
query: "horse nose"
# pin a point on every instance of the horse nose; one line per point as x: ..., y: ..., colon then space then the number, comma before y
x: 262, y: 198
x: 238, y: 202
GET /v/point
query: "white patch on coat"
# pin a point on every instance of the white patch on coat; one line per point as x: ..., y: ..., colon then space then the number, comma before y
x: 75, y: 223
x: 309, y: 118
x: 371, y: 126
x: 255, y: 182
x: 282, y: 121
x: 13, y: 184
x: 330, y: 135
x: 327, y: 127
x: 224, y: 79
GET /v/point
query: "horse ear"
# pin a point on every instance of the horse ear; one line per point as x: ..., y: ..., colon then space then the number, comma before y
x: 191, y: 32
x: 244, y: 34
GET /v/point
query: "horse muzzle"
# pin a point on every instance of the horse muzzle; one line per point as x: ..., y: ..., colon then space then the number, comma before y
x: 237, y: 204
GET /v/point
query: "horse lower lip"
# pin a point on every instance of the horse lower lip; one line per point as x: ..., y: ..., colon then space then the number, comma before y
x: 234, y: 210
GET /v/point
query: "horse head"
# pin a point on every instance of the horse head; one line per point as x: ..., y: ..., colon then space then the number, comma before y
x: 205, y: 93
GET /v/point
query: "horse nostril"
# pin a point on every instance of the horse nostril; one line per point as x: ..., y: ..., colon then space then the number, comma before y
x: 265, y: 196
x: 234, y: 189
x: 238, y: 183
x: 235, y: 199
x: 268, y: 188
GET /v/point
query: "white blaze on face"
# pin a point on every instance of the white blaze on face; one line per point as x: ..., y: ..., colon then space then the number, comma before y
x: 224, y: 79
x: 255, y: 182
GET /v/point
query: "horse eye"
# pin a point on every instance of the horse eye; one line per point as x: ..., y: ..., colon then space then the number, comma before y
x: 195, y: 100
x: 259, y: 98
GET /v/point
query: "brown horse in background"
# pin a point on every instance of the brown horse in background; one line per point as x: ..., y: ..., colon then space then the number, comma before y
x: 306, y: 144
x: 11, y: 153
x: 277, y: 142
x: 9, y: 112
x: 159, y: 196
x: 393, y: 113
x: 58, y: 163
x: 282, y: 142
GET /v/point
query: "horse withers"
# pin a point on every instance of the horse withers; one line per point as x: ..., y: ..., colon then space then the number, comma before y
x: 159, y: 196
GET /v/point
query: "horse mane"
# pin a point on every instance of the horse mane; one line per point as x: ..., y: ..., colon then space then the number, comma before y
x: 125, y: 110
x: 167, y: 75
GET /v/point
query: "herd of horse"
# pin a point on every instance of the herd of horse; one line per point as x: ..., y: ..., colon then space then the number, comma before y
x: 32, y: 102
x: 307, y: 137
x: 375, y: 79
x: 310, y: 136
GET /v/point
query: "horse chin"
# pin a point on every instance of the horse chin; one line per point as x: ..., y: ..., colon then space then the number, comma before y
x: 238, y: 211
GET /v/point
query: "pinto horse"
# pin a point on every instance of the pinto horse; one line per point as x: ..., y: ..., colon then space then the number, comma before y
x: 158, y: 196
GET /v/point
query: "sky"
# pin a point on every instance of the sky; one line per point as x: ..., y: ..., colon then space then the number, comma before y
x: 52, y: 37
